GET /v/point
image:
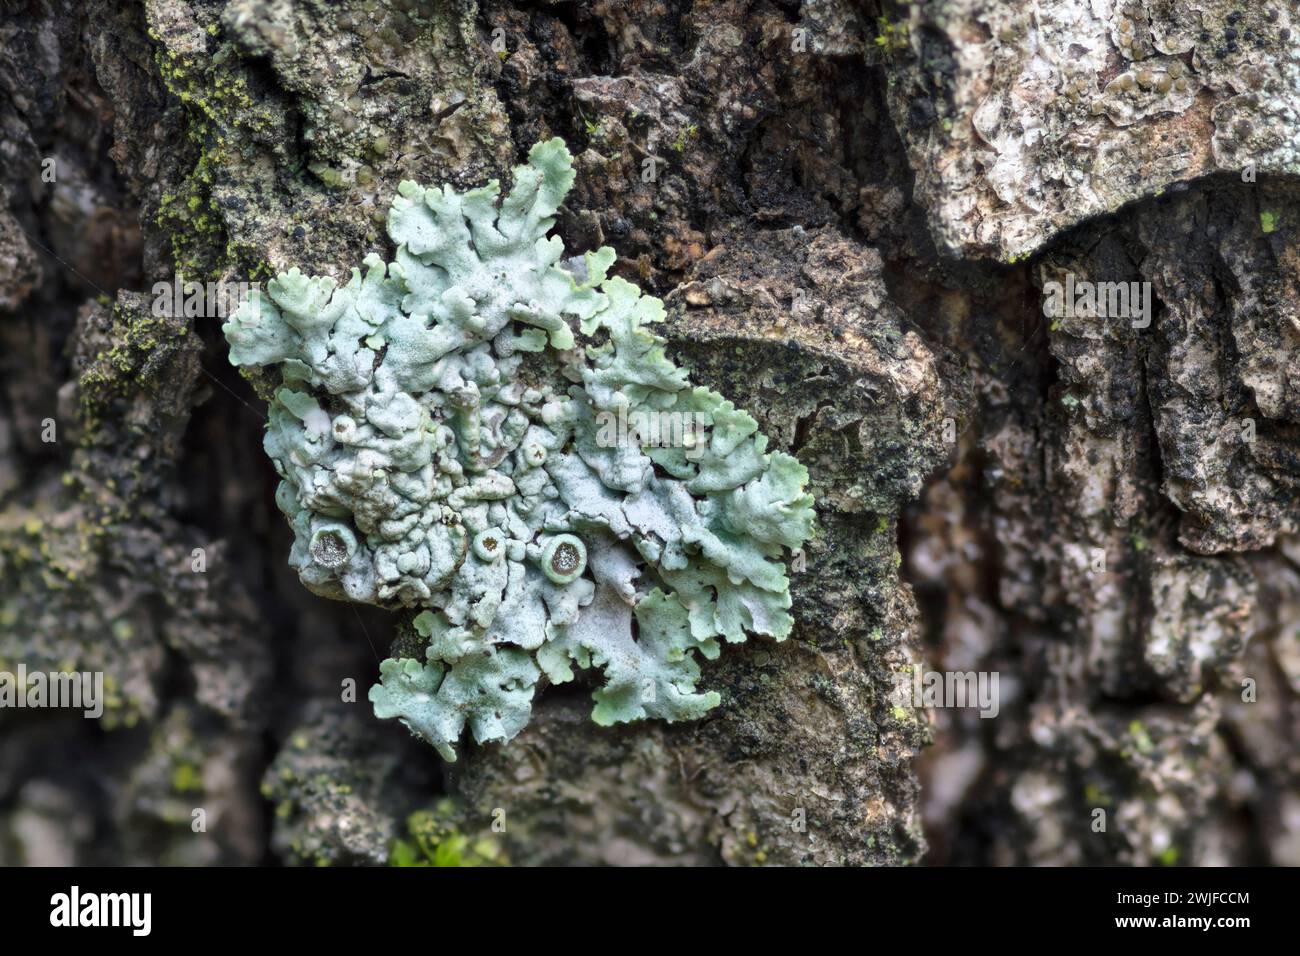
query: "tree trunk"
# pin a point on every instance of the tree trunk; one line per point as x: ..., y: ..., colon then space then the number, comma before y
x: 855, y: 216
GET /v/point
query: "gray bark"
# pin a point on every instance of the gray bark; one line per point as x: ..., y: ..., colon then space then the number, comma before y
x: 855, y: 216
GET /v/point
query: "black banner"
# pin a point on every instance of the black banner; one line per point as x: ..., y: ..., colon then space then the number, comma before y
x: 333, y: 906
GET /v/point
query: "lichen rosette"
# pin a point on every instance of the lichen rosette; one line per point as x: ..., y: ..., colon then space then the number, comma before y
x: 438, y: 432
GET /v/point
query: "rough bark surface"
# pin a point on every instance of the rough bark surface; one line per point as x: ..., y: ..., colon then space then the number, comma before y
x: 852, y: 217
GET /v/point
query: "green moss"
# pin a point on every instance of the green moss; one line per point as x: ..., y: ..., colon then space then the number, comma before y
x: 220, y: 111
x: 891, y: 37
x: 434, y: 838
x: 187, y: 779
x: 139, y: 337
x: 1141, y: 739
x: 1094, y: 796
x: 688, y: 134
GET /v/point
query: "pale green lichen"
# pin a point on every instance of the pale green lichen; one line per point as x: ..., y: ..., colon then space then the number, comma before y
x: 444, y: 444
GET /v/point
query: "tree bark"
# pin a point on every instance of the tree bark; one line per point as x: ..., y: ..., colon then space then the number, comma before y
x: 854, y: 217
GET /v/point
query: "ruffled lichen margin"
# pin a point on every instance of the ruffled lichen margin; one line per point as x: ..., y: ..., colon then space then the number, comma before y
x: 452, y: 433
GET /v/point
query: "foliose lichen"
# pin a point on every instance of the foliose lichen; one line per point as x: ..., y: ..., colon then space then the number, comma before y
x: 447, y: 444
